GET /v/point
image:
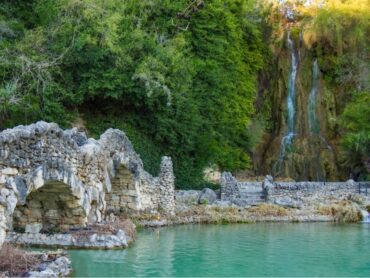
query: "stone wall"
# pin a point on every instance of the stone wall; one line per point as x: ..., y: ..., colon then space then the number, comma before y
x: 302, y: 193
x: 294, y: 194
x: 241, y: 193
x: 63, y: 179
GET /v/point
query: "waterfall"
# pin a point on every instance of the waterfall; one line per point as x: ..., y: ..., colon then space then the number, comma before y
x: 365, y: 216
x: 313, y: 122
x: 312, y: 118
x: 287, y: 139
x: 291, y: 86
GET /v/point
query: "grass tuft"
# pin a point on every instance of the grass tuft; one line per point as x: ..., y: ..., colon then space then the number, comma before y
x: 342, y: 211
x: 269, y: 210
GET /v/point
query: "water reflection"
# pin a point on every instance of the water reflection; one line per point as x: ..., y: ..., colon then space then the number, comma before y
x: 236, y: 250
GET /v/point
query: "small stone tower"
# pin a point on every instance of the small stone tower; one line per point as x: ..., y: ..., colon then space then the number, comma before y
x: 167, y: 186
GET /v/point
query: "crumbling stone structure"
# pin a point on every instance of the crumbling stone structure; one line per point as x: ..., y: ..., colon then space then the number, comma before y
x: 240, y: 193
x: 291, y: 194
x: 63, y: 180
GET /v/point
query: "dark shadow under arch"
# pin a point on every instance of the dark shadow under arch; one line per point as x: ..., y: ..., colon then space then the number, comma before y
x: 54, y: 206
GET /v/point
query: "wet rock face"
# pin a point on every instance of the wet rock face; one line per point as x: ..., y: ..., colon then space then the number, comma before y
x: 310, y: 152
x: 62, y: 179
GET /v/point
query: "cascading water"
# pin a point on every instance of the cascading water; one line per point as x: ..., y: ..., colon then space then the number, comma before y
x: 365, y: 216
x: 313, y: 123
x: 287, y: 139
x: 312, y: 118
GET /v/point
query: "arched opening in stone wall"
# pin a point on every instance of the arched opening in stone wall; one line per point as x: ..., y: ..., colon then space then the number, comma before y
x: 54, y: 206
x: 123, y: 195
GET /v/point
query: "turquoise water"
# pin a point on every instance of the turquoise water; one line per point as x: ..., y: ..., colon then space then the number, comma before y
x: 236, y: 250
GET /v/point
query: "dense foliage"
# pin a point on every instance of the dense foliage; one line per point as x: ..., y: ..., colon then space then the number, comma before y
x: 178, y: 76
x: 356, y: 142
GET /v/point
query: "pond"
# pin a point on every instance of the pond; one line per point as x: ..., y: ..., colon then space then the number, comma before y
x: 271, y: 249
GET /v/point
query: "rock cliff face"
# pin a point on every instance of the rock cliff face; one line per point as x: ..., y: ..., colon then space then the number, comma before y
x: 61, y: 179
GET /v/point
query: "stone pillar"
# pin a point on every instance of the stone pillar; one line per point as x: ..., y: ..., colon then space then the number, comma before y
x: 267, y: 186
x: 167, y: 186
x: 229, y: 186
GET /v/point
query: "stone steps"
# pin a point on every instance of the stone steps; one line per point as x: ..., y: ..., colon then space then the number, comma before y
x: 251, y: 193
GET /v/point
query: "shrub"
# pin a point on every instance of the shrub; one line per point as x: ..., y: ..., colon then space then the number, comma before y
x: 342, y: 211
x: 16, y: 262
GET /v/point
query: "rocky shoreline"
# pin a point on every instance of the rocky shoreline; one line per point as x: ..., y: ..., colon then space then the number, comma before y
x: 270, y: 202
x: 118, y: 233
x: 68, y: 240
x: 35, y: 263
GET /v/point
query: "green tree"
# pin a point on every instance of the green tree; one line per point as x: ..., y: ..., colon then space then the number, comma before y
x: 355, y: 120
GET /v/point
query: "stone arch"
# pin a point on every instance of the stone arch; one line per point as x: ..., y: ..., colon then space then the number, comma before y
x: 94, y: 177
x: 123, y: 195
x: 53, y: 206
x: 53, y: 197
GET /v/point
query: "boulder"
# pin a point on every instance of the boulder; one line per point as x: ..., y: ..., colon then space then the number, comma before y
x: 351, y: 183
x: 207, y: 196
x: 187, y: 197
x: 268, y: 183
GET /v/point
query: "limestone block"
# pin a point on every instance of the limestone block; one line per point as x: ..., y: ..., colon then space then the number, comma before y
x: 52, y: 214
x: 72, y: 204
x: 37, y: 180
x: 9, y: 171
x: 78, y: 211
x: 132, y: 206
x: 2, y: 179
x: 114, y: 197
x: 4, y: 192
x: 34, y: 204
x: 131, y: 193
x: 11, y: 203
x: 2, y: 236
x: 33, y: 228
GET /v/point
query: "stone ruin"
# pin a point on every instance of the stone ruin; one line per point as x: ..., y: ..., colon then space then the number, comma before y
x: 290, y: 194
x: 60, y: 179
